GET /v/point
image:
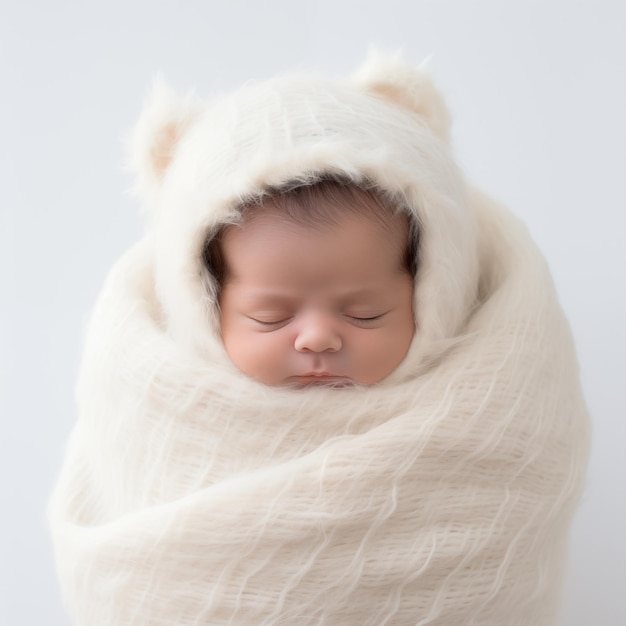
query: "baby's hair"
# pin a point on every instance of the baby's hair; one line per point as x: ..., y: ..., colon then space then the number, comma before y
x: 320, y: 204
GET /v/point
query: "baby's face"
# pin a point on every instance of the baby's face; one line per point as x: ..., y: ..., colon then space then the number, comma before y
x: 305, y: 306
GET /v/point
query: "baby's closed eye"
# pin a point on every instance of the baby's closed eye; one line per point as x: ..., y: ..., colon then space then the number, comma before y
x: 270, y: 318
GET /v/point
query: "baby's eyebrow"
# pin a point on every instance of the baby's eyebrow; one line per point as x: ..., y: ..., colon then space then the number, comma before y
x: 366, y: 292
x: 268, y: 297
x: 278, y: 299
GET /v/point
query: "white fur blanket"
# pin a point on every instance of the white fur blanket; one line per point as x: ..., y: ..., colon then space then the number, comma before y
x: 192, y: 495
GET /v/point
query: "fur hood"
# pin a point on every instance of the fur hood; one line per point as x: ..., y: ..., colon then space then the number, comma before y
x: 197, y: 162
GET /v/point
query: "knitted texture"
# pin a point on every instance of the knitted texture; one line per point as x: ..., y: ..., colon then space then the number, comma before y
x: 192, y: 495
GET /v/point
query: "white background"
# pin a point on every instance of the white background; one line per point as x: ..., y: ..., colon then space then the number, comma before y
x: 538, y: 95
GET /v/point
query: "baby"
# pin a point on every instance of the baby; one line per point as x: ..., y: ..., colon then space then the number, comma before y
x: 316, y: 285
x: 332, y: 385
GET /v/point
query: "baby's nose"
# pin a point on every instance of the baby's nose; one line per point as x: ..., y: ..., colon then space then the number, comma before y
x: 318, y: 334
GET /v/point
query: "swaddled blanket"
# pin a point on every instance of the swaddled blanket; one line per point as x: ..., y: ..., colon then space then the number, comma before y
x: 193, y: 495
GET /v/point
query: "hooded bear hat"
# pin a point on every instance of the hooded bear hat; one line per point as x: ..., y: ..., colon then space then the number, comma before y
x: 198, y: 162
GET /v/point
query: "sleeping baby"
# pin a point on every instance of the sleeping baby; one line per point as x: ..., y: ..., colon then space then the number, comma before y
x: 331, y: 384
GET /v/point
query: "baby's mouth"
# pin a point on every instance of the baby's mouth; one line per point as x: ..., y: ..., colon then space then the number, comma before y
x: 320, y: 378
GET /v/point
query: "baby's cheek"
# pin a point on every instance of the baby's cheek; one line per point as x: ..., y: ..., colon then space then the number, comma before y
x: 260, y: 355
x: 238, y: 342
x: 391, y: 348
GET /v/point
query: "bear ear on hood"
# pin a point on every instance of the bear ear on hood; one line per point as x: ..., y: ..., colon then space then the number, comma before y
x: 393, y: 78
x: 165, y: 118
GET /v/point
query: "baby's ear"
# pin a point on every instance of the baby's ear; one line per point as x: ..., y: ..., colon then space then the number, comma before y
x: 391, y: 77
x: 165, y: 119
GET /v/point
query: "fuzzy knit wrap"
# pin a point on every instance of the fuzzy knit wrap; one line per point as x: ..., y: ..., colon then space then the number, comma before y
x: 192, y: 495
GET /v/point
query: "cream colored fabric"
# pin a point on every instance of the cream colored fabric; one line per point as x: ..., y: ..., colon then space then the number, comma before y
x: 192, y: 495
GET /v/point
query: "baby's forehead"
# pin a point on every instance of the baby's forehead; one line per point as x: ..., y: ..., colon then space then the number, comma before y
x: 357, y: 259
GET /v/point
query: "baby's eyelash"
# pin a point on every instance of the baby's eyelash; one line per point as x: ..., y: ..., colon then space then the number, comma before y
x: 373, y: 318
x: 273, y: 323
